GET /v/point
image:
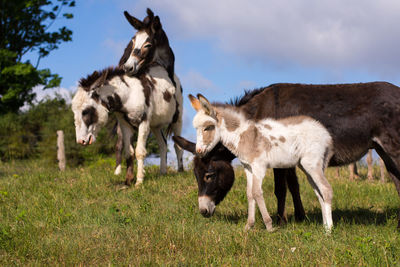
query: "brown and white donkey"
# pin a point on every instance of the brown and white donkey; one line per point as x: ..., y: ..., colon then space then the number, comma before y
x: 263, y: 144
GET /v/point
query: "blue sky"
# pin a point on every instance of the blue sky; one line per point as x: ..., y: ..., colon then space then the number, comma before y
x: 223, y: 47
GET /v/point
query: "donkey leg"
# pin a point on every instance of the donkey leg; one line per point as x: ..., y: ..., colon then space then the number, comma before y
x: 280, y: 193
x: 251, y: 216
x: 322, y: 188
x: 382, y: 168
x: 258, y: 176
x: 162, y: 144
x: 143, y: 133
x: 179, y: 156
x: 369, y: 165
x: 118, y: 150
x: 129, y: 153
x: 294, y: 188
x: 177, y: 129
x: 353, y: 171
x: 392, y: 164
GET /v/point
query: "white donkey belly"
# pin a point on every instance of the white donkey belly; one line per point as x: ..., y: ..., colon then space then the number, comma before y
x: 281, y: 158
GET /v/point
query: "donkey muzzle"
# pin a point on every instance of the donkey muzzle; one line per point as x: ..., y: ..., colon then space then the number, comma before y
x: 206, y: 206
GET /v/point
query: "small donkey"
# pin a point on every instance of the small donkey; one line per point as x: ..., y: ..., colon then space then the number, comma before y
x: 267, y: 143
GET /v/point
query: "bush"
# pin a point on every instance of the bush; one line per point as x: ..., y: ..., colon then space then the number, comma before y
x: 32, y: 134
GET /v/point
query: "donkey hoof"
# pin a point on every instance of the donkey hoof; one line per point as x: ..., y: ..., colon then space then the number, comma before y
x: 328, y: 231
x: 138, y: 184
x: 248, y: 226
x: 117, y: 170
x: 128, y: 183
x: 282, y: 220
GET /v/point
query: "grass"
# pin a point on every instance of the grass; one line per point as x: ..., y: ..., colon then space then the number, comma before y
x: 83, y: 217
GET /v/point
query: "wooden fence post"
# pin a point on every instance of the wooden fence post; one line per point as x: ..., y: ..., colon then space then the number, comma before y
x: 61, y: 150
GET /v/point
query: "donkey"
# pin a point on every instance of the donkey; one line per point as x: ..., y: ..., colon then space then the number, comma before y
x: 215, y: 177
x: 215, y: 165
x: 150, y: 44
x: 354, y: 171
x: 358, y: 116
x: 264, y: 144
x: 148, y: 102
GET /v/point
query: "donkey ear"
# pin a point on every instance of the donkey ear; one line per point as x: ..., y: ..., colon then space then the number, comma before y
x: 137, y: 24
x: 206, y: 106
x: 156, y: 24
x: 101, y: 80
x: 150, y: 14
x: 184, y: 144
x: 195, y: 102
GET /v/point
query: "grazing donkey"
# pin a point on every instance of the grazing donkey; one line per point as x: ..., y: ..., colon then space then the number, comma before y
x: 148, y: 102
x: 267, y: 143
x: 358, y: 116
x: 214, y: 173
x: 215, y: 177
x: 150, y: 44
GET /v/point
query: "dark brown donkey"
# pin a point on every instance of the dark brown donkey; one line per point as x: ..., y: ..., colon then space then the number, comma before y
x: 149, y: 45
x: 358, y: 116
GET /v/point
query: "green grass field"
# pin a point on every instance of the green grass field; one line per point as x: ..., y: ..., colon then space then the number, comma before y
x: 84, y: 217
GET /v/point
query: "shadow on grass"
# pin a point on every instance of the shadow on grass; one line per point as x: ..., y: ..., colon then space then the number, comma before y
x: 358, y: 216
x: 233, y: 217
x: 151, y: 174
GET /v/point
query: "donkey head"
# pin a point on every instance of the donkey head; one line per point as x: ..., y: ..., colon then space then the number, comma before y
x: 214, y: 174
x: 149, y: 38
x: 206, y: 124
x: 89, y: 114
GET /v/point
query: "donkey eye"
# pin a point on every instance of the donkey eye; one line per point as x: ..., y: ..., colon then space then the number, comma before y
x: 209, y: 128
x: 209, y: 176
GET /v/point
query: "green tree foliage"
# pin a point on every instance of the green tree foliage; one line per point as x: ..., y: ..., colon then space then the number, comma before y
x: 24, y: 27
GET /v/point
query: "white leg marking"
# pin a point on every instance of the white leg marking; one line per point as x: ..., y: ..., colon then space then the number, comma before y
x: 321, y: 187
x: 258, y: 176
x: 143, y: 132
x: 118, y: 170
x: 251, y: 202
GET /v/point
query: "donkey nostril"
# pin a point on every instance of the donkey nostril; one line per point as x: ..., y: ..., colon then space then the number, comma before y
x: 204, y: 212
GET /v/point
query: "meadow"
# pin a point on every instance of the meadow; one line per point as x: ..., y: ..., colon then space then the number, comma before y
x: 84, y: 216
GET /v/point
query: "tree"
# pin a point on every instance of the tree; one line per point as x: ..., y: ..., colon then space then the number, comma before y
x: 24, y: 27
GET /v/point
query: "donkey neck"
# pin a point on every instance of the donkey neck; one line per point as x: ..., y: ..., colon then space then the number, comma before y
x: 241, y: 136
x: 232, y: 126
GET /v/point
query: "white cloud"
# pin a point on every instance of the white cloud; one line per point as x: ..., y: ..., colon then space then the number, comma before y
x: 53, y: 92
x: 358, y: 34
x: 50, y: 93
x: 195, y: 82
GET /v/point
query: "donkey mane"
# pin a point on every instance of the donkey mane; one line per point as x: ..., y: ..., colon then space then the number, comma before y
x: 247, y: 96
x: 87, y: 82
